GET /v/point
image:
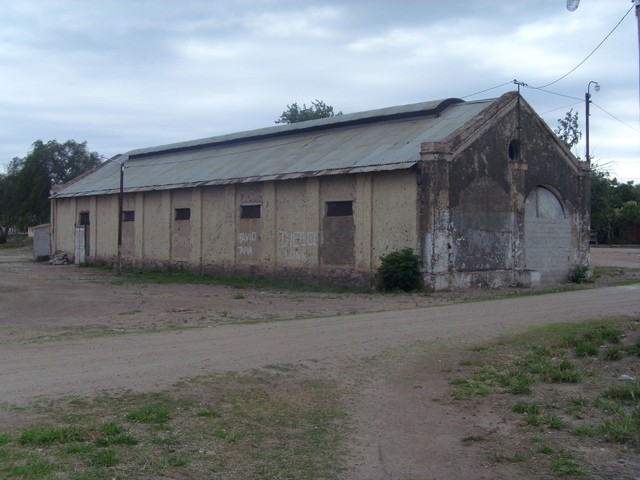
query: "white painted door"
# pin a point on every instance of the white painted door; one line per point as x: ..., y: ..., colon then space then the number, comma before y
x: 79, y: 250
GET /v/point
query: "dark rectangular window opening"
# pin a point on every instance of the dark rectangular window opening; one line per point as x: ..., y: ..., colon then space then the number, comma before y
x: 128, y: 216
x: 183, y: 214
x: 84, y: 218
x: 250, y: 211
x: 340, y: 209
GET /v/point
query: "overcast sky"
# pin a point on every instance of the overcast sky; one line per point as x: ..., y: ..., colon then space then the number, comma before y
x: 125, y: 74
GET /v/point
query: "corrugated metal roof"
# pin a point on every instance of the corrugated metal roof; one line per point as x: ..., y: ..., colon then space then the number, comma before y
x: 378, y: 140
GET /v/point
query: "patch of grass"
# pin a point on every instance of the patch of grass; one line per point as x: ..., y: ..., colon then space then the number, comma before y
x: 259, y: 425
x: 479, y: 348
x: 625, y: 282
x: 553, y: 422
x: 521, y: 384
x: 592, y: 336
x: 32, y: 470
x: 629, y: 392
x: 561, y: 357
x: 48, y: 435
x: 114, y: 434
x: 586, y: 349
x: 614, y: 352
x: 528, y: 408
x: 545, y: 450
x: 208, y: 413
x: 179, y: 276
x: 623, y: 428
x: 158, y: 413
x: 534, y: 420
x: 634, y: 349
x: 104, y: 458
x: 465, y: 389
x: 543, y: 421
x: 564, y: 464
x: 586, y: 431
x: 471, y: 363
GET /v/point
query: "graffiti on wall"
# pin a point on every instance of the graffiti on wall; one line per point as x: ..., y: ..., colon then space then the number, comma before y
x: 293, y: 245
x: 245, y: 243
x: 296, y: 245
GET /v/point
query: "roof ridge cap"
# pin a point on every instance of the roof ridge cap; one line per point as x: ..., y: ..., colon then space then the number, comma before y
x: 434, y: 107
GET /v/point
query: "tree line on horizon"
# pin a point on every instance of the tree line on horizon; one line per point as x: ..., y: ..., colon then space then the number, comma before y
x: 615, y: 206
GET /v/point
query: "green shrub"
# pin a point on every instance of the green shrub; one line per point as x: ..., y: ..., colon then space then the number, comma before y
x: 399, y: 270
x: 579, y: 274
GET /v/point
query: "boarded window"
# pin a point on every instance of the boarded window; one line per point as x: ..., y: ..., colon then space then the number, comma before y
x: 83, y: 218
x: 250, y: 210
x: 128, y: 216
x: 338, y: 233
x: 340, y: 209
x: 183, y: 214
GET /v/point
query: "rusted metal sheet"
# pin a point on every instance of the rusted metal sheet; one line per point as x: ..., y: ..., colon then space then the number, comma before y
x: 378, y: 140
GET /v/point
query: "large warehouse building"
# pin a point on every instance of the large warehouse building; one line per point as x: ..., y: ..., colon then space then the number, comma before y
x: 482, y: 191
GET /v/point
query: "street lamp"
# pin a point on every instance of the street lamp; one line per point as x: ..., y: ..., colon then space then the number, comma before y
x: 572, y: 5
x: 587, y: 101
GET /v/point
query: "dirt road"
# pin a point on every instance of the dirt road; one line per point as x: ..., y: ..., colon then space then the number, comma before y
x: 147, y: 361
x: 70, y: 331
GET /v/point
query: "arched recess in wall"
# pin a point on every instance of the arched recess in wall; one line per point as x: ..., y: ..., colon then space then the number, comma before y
x: 547, y: 235
x: 482, y: 221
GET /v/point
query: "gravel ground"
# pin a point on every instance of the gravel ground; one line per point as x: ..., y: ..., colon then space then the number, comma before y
x: 66, y: 330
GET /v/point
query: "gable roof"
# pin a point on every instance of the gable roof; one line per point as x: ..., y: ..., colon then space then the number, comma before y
x: 377, y: 140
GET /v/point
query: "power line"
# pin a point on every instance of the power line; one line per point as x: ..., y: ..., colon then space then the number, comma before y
x: 488, y: 89
x: 562, y: 108
x: 616, y: 118
x: 592, y: 52
x: 553, y: 93
x: 579, y: 101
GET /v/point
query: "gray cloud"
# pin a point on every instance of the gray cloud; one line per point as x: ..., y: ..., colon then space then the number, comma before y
x: 123, y: 75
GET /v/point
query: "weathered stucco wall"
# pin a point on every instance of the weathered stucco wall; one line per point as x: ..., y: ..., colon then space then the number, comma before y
x: 394, y: 216
x: 472, y: 208
x: 129, y: 226
x: 63, y: 222
x: 297, y: 218
x: 183, y: 230
x: 334, y: 227
x: 218, y: 225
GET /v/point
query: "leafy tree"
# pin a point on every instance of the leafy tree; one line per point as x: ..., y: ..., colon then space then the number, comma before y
x: 628, y: 192
x: 568, y: 130
x: 295, y: 114
x: 615, y: 210
x: 602, y: 204
x: 615, y: 215
x: 627, y: 223
x: 24, y: 190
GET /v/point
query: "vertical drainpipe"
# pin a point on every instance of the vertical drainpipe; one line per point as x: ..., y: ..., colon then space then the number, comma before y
x: 120, y: 200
